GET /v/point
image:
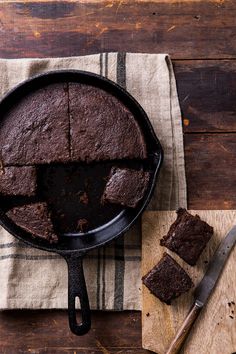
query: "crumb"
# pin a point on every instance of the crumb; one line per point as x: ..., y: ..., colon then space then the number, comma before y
x: 232, y: 302
x: 84, y: 198
x: 82, y: 223
x: 68, y: 179
x: 232, y: 311
x: 229, y: 304
x: 148, y: 314
x: 218, y: 324
x: 2, y: 171
x: 231, y: 317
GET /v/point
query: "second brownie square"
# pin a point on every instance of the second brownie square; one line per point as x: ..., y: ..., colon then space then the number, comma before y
x: 167, y: 280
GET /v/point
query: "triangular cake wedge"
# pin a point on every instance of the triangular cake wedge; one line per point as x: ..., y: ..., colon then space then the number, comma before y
x: 35, y: 219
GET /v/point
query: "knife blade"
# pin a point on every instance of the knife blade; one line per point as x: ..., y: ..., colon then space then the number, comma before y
x: 208, y: 282
x: 204, y: 289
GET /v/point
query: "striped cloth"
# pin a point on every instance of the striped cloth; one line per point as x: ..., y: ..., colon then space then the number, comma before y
x: 35, y: 279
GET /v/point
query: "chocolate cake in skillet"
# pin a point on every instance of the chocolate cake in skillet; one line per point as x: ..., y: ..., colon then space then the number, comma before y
x: 36, y: 129
x: 68, y: 123
x: 102, y: 128
x: 18, y: 181
x: 34, y: 218
x: 125, y: 186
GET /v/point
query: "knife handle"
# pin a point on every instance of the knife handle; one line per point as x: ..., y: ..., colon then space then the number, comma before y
x: 184, y: 330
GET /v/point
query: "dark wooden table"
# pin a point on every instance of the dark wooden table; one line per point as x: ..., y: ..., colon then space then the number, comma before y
x: 201, y: 38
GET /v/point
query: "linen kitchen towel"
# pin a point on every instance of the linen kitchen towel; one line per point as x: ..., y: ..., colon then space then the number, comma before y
x: 36, y: 279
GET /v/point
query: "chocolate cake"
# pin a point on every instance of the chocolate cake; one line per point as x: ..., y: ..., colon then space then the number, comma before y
x: 167, y: 280
x: 126, y: 187
x: 36, y: 129
x: 187, y: 236
x: 35, y: 219
x: 18, y: 181
x: 67, y: 123
x: 102, y: 128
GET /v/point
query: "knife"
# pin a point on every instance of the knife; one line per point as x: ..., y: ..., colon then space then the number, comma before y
x: 204, y: 289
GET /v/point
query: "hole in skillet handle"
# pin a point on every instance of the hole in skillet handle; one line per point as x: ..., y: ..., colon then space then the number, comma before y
x: 77, y: 289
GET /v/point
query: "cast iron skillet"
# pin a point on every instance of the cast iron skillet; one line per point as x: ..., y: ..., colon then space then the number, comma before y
x: 72, y: 246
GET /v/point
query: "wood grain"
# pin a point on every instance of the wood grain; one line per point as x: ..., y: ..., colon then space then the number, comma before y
x: 39, y: 332
x: 207, y: 95
x: 185, y: 29
x: 214, y: 329
x: 202, y: 29
x: 211, y: 170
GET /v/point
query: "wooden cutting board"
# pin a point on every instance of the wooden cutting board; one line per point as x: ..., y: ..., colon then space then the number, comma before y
x: 215, y: 329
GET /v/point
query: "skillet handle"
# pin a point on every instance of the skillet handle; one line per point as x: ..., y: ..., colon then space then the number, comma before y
x: 77, y: 288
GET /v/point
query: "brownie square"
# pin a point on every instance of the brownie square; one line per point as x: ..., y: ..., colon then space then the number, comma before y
x: 101, y: 127
x: 36, y: 129
x: 126, y: 187
x: 35, y: 219
x: 18, y: 181
x: 187, y: 236
x: 167, y: 280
